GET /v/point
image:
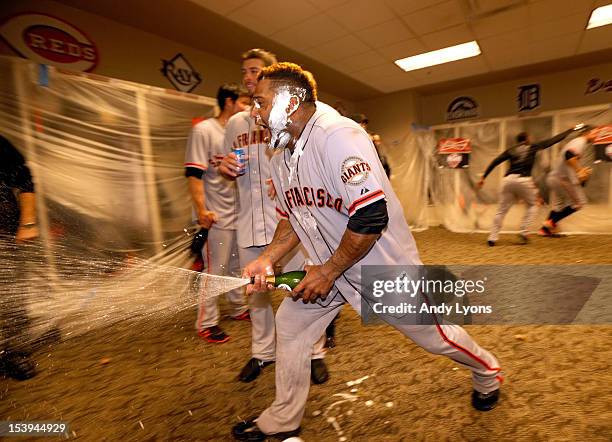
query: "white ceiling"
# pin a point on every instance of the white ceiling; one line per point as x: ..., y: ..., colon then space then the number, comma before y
x: 362, y: 38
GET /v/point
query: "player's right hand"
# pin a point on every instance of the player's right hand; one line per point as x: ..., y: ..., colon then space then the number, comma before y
x: 259, y: 269
x: 229, y: 166
x: 206, y: 218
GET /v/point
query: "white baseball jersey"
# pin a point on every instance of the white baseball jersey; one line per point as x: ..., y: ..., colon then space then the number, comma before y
x: 257, y: 211
x: 338, y: 173
x: 205, y: 151
x: 564, y: 170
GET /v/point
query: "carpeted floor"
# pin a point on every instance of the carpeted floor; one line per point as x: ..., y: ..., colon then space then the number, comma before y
x: 156, y: 380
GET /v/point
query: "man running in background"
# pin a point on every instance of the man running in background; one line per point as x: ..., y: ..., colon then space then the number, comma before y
x: 518, y: 183
x: 566, y: 181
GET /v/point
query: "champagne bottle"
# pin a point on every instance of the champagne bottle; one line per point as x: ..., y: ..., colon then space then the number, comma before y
x: 286, y: 281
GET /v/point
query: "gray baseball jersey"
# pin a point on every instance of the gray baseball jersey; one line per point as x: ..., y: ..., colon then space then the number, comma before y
x: 338, y: 173
x: 204, y: 151
x: 257, y: 218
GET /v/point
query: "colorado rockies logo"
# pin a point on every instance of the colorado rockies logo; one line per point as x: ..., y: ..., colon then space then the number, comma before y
x: 354, y: 171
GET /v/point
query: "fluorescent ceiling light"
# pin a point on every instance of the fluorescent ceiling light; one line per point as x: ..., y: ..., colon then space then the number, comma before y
x: 452, y: 53
x: 600, y: 17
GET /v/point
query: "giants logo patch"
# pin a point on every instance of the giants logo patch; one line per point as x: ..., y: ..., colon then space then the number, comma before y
x: 354, y: 171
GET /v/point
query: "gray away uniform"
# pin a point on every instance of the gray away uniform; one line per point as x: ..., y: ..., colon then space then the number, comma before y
x: 338, y: 173
x: 257, y: 220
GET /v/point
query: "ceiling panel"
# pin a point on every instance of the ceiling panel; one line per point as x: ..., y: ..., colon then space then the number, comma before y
x: 301, y: 37
x: 223, y: 7
x: 403, y: 49
x: 323, y: 5
x: 360, y: 14
x: 544, y: 10
x: 386, y: 33
x: 338, y: 49
x: 435, y: 18
x: 394, y: 83
x: 459, y: 69
x: 596, y: 39
x: 511, y: 20
x: 361, y: 62
x: 403, y: 7
x: 387, y: 70
x: 448, y: 37
x: 558, y: 47
x: 560, y: 26
x: 270, y: 16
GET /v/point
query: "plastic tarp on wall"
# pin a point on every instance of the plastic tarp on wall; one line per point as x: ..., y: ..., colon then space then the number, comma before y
x: 106, y: 156
x: 461, y: 207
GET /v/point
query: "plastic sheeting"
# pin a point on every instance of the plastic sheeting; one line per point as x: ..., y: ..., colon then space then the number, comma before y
x: 461, y: 207
x: 107, y: 160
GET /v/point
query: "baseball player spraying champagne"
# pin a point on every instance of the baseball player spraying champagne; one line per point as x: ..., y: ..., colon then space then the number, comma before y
x: 337, y: 202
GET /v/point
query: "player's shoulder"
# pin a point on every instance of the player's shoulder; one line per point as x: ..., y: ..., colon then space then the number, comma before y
x: 204, y: 125
x: 239, y: 119
x: 329, y: 121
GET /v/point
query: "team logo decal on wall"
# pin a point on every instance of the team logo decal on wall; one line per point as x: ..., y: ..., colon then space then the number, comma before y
x: 461, y: 108
x: 528, y: 97
x: 595, y: 85
x: 354, y: 171
x: 180, y: 73
x: 49, y: 40
x: 454, y: 152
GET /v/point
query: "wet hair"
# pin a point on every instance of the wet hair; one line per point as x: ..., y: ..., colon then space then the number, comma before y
x: 230, y: 90
x: 268, y: 58
x: 522, y: 137
x: 293, y: 76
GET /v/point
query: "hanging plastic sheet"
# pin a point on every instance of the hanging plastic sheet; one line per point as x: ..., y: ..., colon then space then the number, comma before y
x: 462, y: 207
x: 107, y: 161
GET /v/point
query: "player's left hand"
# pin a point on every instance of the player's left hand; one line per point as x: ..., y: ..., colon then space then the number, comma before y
x: 317, y: 283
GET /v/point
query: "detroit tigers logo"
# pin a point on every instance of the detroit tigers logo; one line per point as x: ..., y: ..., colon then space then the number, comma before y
x: 354, y: 171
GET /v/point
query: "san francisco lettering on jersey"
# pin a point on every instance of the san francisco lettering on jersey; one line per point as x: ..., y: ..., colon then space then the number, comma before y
x: 307, y: 196
x: 256, y: 137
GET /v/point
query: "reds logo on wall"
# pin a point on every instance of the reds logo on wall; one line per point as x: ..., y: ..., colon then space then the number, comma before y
x: 49, y: 40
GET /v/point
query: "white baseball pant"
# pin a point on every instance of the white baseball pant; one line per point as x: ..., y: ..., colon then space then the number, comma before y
x: 264, y: 339
x: 299, y: 326
x: 220, y: 256
x: 515, y: 187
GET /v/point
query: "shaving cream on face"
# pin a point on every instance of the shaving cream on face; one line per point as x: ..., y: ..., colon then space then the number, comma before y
x: 279, y: 116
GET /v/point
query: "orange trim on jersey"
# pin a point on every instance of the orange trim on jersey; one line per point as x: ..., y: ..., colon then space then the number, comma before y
x: 364, y: 199
x: 196, y: 165
x: 281, y: 213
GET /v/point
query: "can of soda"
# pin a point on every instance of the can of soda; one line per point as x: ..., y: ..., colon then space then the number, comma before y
x: 241, y: 157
